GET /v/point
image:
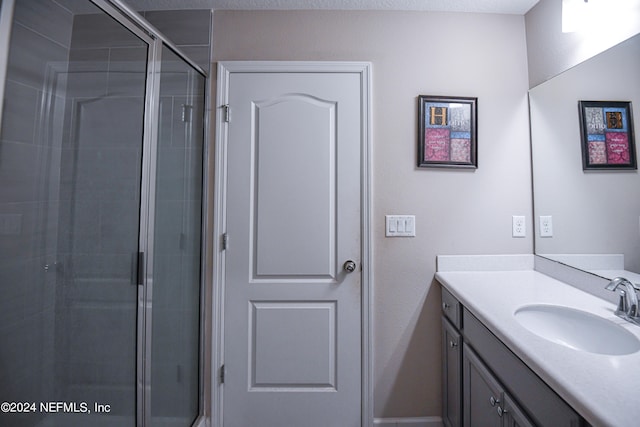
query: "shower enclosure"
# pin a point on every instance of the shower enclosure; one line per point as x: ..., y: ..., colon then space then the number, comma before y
x: 101, y: 187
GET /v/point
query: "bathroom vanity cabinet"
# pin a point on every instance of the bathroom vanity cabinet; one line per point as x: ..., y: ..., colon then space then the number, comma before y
x: 485, y: 384
x: 451, y: 362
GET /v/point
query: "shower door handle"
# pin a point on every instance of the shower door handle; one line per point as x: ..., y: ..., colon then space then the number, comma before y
x: 140, y: 275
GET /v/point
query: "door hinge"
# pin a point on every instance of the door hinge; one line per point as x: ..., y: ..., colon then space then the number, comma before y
x: 222, y: 374
x: 225, y: 242
x: 227, y: 113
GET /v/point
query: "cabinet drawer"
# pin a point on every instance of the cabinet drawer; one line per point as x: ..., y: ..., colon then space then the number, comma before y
x: 451, y: 308
x: 542, y: 404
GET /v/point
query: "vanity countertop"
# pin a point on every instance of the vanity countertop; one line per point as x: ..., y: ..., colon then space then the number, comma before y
x: 604, y: 389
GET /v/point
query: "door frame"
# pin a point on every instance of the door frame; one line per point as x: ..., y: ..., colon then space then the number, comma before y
x: 225, y: 69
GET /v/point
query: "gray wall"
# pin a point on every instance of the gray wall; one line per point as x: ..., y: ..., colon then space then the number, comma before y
x: 457, y: 212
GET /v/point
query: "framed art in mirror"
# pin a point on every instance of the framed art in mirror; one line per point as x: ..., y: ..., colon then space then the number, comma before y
x: 447, y: 132
x: 606, y: 130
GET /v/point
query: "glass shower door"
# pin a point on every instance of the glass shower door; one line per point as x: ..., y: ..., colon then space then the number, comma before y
x: 175, y: 339
x: 70, y: 198
x: 101, y: 167
x: 100, y: 217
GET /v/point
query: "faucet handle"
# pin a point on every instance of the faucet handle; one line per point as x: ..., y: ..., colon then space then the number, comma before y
x: 623, y: 307
x: 628, y: 303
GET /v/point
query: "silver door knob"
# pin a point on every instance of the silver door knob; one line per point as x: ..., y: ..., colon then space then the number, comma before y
x: 349, y: 266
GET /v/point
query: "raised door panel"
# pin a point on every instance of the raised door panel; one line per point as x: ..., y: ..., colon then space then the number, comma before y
x: 293, y: 346
x: 482, y: 394
x: 294, y: 188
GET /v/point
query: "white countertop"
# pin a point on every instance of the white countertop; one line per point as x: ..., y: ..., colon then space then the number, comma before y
x: 604, y: 389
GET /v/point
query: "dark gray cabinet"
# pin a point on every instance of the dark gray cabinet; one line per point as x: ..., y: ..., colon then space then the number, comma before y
x: 486, y: 385
x: 486, y: 403
x: 482, y: 393
x: 451, y: 375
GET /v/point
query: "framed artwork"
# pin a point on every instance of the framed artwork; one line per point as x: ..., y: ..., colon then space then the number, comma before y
x: 447, y: 130
x: 606, y: 130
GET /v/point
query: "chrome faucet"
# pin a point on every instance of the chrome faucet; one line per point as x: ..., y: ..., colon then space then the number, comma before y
x: 628, y: 305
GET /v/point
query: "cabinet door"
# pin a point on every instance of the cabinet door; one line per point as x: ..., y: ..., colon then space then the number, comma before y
x: 482, y: 394
x: 451, y: 375
x: 513, y: 415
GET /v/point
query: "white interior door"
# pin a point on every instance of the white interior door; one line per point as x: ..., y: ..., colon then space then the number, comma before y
x: 292, y: 311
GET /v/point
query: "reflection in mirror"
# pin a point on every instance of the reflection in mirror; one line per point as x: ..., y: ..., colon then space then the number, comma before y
x: 595, y: 215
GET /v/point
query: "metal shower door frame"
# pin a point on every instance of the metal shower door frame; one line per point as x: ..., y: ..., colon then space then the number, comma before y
x: 130, y: 19
x: 6, y: 20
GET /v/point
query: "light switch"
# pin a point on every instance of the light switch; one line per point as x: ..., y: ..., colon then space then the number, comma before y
x: 400, y: 225
x: 392, y: 226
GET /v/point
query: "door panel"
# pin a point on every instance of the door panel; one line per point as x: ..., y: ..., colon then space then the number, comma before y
x: 451, y: 375
x: 482, y: 393
x: 293, y: 345
x: 300, y: 172
x: 292, y: 314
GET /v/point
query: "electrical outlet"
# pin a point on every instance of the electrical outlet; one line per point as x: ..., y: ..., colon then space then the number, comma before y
x: 546, y: 226
x: 518, y: 225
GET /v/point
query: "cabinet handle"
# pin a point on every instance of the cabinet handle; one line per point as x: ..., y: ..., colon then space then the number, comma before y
x: 501, y: 411
x: 453, y: 344
x: 445, y: 306
x: 494, y: 401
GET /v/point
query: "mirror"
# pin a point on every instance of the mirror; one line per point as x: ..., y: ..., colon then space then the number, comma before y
x: 595, y: 215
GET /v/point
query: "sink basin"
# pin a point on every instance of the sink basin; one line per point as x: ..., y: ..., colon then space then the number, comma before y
x: 577, y: 329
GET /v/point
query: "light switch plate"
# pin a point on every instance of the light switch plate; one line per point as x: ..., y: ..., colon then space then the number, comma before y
x: 400, y: 225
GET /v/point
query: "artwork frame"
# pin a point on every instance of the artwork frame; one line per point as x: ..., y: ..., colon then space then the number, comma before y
x: 447, y: 132
x: 606, y: 133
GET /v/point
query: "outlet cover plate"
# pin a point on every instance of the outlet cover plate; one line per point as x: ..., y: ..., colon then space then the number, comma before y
x: 546, y: 226
x: 518, y: 226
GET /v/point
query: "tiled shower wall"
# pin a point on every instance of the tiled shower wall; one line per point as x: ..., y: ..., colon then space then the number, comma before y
x: 187, y: 29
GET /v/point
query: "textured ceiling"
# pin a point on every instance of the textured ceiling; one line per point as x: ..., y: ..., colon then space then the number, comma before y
x: 517, y: 7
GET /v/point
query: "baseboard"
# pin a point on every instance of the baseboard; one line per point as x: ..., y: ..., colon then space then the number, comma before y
x: 408, y: 422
